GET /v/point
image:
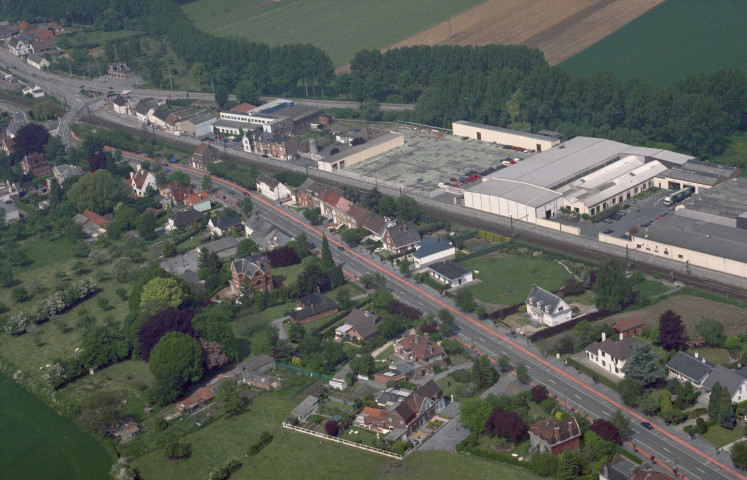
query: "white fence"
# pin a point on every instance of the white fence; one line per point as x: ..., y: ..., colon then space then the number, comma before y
x: 342, y: 440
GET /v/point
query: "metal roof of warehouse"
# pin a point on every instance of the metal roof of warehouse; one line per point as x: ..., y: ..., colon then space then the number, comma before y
x: 622, y: 183
x: 699, y: 236
x: 727, y: 199
x: 523, y: 193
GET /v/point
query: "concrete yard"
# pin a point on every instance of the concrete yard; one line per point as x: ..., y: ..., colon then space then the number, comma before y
x: 434, y: 157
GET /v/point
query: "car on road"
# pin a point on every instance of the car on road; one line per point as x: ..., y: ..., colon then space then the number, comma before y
x: 646, y: 224
x: 647, y: 425
x: 341, y: 248
x: 231, y: 192
x: 607, y: 220
x: 608, y: 231
x: 312, y: 246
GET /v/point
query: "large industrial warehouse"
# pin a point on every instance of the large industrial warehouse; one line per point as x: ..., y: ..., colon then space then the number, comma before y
x: 585, y: 174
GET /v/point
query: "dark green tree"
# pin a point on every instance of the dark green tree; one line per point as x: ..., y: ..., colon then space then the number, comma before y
x: 98, y: 192
x: 327, y: 260
x: 363, y: 365
x: 522, y: 374
x: 672, y: 334
x: 714, y: 402
x: 483, y: 372
x: 464, y: 300
x: 207, y: 182
x: 614, y: 291
x: 227, y: 396
x: 728, y: 417
x: 147, y: 225
x: 504, y: 362
x: 644, y: 365
x: 175, y: 362
x: 569, y: 466
x: 246, y: 205
x: 711, y: 330
x: 448, y: 326
x: 246, y: 247
x: 622, y: 423
x: 313, y: 215
x: 630, y: 391
x: 739, y: 454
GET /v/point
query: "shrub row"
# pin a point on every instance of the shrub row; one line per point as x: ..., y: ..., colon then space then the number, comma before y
x: 263, y: 441
x: 502, y: 313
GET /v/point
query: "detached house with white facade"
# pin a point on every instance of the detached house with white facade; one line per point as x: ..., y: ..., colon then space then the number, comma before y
x: 611, y: 355
x: 272, y: 189
x: 547, y: 308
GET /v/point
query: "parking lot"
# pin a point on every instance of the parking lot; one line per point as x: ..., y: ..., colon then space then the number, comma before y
x: 639, y: 214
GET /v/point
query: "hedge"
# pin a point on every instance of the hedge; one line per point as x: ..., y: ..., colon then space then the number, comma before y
x: 550, y: 331
x: 506, y: 311
x: 588, y: 371
x: 484, y: 251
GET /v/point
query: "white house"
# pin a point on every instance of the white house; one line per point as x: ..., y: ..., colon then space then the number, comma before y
x: 430, y: 250
x: 271, y: 188
x: 34, y: 91
x: 140, y: 180
x: 730, y: 380
x: 20, y: 47
x: 450, y: 273
x: 222, y: 224
x: 37, y: 61
x: 547, y: 308
x: 610, y: 355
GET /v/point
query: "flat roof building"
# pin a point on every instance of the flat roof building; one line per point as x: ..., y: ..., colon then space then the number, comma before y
x: 504, y: 136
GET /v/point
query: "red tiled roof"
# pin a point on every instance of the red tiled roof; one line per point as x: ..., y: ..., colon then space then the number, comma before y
x: 43, y: 34
x: 330, y: 198
x: 419, y: 344
x: 193, y: 198
x: 627, y: 324
x: 554, y: 432
x: 140, y: 176
x: 202, y: 148
x: 243, y: 107
x: 23, y: 25
x: 374, y: 414
x: 200, y: 396
x: 96, y: 218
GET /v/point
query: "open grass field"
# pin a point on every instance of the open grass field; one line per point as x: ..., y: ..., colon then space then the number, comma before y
x: 38, y: 443
x: 719, y: 436
x: 340, y: 28
x: 560, y: 28
x: 294, y: 455
x: 508, y: 280
x: 675, y: 39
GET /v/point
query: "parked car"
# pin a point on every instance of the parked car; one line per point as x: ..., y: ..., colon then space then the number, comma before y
x: 631, y: 200
x: 608, y: 231
x: 625, y: 235
x: 607, y: 220
x: 453, y: 179
x: 419, y: 180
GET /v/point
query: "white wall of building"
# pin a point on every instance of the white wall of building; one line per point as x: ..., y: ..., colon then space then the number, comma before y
x: 488, y: 134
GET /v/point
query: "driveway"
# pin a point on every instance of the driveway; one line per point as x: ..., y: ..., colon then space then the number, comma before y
x: 451, y: 433
x: 283, y: 335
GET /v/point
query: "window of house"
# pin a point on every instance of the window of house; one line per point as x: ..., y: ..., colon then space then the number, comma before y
x: 679, y: 256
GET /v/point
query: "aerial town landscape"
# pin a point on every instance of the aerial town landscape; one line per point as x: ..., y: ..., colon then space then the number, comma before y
x: 326, y: 239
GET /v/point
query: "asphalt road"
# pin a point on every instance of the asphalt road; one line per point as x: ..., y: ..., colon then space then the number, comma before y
x: 670, y: 447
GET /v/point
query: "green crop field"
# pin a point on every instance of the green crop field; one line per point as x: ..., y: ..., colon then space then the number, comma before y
x: 508, y: 280
x: 38, y: 443
x: 672, y: 40
x: 340, y: 28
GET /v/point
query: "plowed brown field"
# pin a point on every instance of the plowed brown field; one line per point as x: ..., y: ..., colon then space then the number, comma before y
x: 560, y: 28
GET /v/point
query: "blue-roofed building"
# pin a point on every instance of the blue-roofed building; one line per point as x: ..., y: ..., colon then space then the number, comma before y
x: 432, y: 249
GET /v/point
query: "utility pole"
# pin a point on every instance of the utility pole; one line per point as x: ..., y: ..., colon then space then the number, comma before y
x: 170, y: 82
x: 211, y: 84
x: 449, y: 27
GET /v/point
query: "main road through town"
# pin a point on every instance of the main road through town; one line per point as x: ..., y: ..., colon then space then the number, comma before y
x: 669, y: 446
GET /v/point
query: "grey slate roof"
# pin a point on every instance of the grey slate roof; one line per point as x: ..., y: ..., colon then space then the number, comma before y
x: 694, y: 369
x: 620, y: 350
x: 269, y: 181
x: 315, y: 303
x: 185, y: 217
x: 35, y: 58
x: 404, y: 235
x: 429, y: 246
x: 250, y: 265
x: 225, y: 222
x: 363, y: 321
x: 728, y: 378
x: 161, y: 113
x: 200, y: 119
x: 220, y: 245
x: 539, y: 294
x: 449, y: 269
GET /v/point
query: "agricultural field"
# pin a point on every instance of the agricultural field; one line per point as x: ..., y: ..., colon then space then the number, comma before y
x: 38, y: 443
x: 339, y: 28
x: 294, y: 455
x: 508, y: 280
x: 675, y: 39
x: 560, y: 28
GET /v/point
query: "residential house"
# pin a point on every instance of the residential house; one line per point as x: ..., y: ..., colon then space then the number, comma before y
x: 252, y: 372
x: 376, y: 225
x: 35, y: 91
x: 339, y: 380
x: 688, y: 367
x: 730, y: 380
x: 260, y: 380
x: 264, y: 233
x: 117, y: 103
x: 547, y: 308
x: 36, y: 165
x: 174, y: 193
x: 372, y: 419
x: 431, y: 249
x: 120, y: 70
x: 223, y: 247
x: 313, y: 307
x: 271, y: 188
x: 62, y: 173
x: 304, y: 409
x: 628, y: 326
x: 8, y: 191
x: 416, y: 410
x: 555, y: 436
x: 401, y: 238
x: 277, y: 145
x: 223, y: 224
x: 184, y: 218
x: 258, y: 363
x: 140, y: 180
x: 421, y: 349
x: 7, y: 30
x: 14, y: 127
x: 250, y: 273
x: 126, y: 431
x: 20, y: 47
x: 12, y: 212
x: 159, y: 116
x: 200, y: 201
x: 621, y: 468
x: 44, y: 46
x: 309, y: 193
x: 450, y: 273
x: 93, y: 224
x: 143, y: 110
x: 204, y: 154
x: 407, y: 370
x: 611, y: 355
x: 196, y: 400
x: 37, y: 61
x: 361, y: 325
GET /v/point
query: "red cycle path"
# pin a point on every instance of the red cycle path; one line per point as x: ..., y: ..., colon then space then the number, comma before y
x: 461, y: 315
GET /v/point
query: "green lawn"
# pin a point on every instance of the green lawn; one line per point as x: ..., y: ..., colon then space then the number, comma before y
x: 508, y: 280
x: 388, y: 352
x: 339, y: 28
x: 649, y: 288
x: 714, y: 355
x: 674, y: 39
x: 294, y: 455
x: 719, y: 436
x: 38, y: 443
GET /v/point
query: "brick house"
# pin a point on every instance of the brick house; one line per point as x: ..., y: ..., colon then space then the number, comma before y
x: 251, y: 272
x: 421, y: 349
x: 199, y: 201
x: 140, y: 180
x: 628, y: 326
x: 187, y: 217
x: 276, y: 145
x: 174, y: 193
x: 401, y: 238
x: 555, y: 436
x: 407, y: 370
x: 36, y: 165
x: 313, y: 307
x: 204, y: 154
x: 196, y: 400
x: 359, y: 324
x: 309, y: 193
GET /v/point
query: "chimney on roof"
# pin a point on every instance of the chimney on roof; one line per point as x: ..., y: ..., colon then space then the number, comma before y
x: 606, y: 470
x: 696, y: 354
x: 417, y: 338
x: 604, y: 336
x: 621, y: 336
